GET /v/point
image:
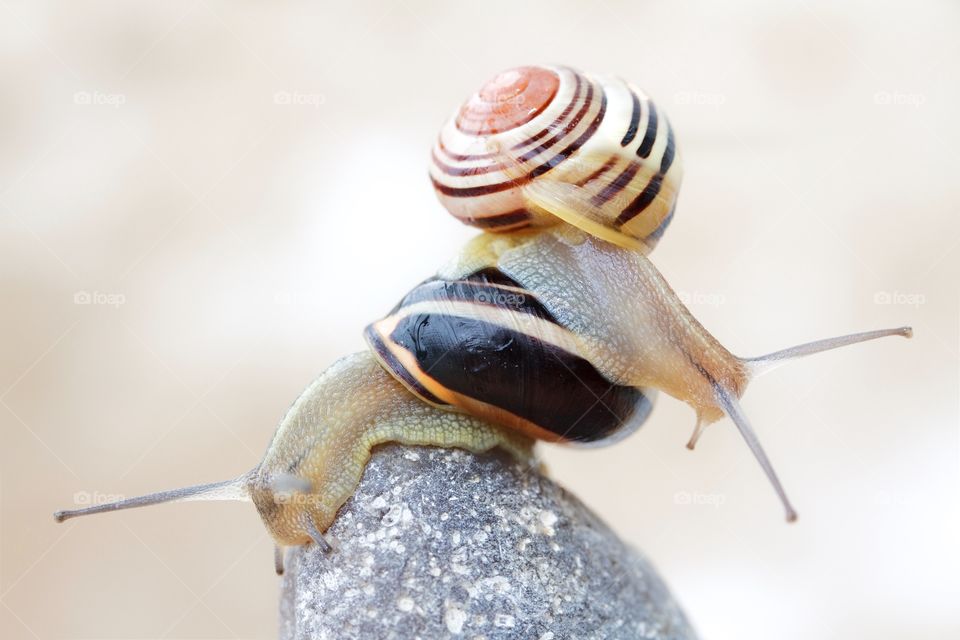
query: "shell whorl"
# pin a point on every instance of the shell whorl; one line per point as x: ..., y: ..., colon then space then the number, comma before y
x: 538, y: 134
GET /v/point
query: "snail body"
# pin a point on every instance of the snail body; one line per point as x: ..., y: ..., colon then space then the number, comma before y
x: 318, y: 453
x: 317, y: 456
x: 553, y: 324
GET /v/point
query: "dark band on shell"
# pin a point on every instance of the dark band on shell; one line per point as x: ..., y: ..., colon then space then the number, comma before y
x: 486, y: 345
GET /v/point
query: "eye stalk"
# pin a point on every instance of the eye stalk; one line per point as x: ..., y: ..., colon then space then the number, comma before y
x: 237, y: 489
x: 763, y: 364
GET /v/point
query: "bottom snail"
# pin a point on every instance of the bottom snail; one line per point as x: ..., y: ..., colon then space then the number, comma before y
x: 545, y: 334
x: 317, y: 456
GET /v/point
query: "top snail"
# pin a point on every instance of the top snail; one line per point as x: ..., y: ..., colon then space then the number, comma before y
x: 556, y: 327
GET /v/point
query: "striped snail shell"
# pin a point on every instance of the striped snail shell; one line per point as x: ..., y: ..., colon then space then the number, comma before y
x: 540, y: 144
x: 481, y: 343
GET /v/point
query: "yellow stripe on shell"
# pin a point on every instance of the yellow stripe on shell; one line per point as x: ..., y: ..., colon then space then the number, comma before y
x: 525, y: 323
x: 410, y: 364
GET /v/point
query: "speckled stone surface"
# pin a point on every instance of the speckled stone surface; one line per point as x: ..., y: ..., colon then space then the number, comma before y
x: 441, y: 543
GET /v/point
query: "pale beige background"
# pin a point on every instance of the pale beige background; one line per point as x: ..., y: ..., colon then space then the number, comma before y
x: 146, y: 159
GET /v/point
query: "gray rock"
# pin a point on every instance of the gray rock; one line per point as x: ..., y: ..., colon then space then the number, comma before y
x: 441, y: 543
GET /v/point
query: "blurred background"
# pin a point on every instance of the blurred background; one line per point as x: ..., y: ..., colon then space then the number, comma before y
x: 203, y: 202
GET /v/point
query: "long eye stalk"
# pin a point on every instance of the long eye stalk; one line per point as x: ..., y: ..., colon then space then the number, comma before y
x: 762, y: 364
x: 227, y: 490
x: 732, y: 408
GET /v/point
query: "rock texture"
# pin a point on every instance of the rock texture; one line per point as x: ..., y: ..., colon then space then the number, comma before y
x: 442, y: 543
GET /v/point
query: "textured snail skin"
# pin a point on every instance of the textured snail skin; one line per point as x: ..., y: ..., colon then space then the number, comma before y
x: 627, y: 319
x: 327, y: 436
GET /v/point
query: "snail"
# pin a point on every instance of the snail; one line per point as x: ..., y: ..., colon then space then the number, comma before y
x: 557, y: 325
x: 317, y: 455
x: 552, y: 325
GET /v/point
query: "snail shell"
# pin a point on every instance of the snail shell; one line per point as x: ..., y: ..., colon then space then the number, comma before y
x: 540, y: 144
x: 480, y: 342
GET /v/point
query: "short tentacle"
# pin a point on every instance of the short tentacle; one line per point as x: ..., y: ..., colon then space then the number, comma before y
x: 697, y: 432
x: 310, y: 527
x: 278, y: 553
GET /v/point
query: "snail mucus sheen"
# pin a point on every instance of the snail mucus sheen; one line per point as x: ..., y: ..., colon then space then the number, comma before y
x: 552, y: 324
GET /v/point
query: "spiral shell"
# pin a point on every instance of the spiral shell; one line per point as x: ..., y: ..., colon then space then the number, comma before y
x: 541, y: 144
x: 483, y: 344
